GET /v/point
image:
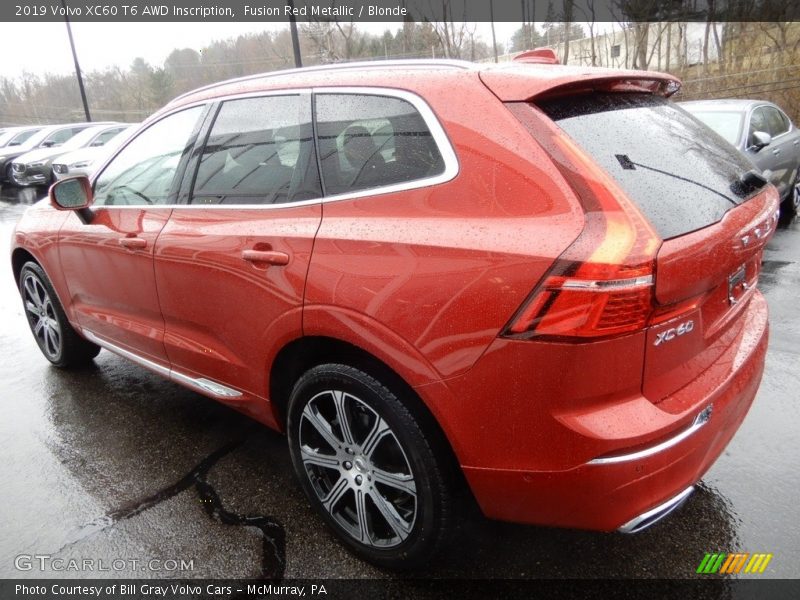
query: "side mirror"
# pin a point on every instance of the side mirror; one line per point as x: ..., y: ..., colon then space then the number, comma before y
x: 760, y: 139
x: 73, y: 193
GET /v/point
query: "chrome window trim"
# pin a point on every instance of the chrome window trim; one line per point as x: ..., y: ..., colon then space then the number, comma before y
x: 449, y: 157
x: 201, y: 384
x: 346, y: 66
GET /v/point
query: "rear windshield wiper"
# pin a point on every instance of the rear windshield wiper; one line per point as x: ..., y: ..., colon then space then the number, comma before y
x: 629, y: 165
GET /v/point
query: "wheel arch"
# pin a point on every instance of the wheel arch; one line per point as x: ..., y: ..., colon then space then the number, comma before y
x: 19, y: 256
x: 302, y: 354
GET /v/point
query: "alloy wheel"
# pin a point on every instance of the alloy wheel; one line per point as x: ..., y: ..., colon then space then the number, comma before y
x: 41, y: 315
x: 357, y: 469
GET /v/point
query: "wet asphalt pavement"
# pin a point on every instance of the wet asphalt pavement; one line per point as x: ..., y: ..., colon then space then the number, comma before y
x: 115, y: 463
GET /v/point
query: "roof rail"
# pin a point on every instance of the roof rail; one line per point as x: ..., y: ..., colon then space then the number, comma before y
x: 343, y: 66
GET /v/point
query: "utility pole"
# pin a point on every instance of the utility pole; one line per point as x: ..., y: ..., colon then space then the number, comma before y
x: 494, y: 38
x: 77, y: 66
x: 298, y: 60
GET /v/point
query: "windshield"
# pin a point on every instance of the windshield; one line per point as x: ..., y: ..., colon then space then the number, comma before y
x: 22, y: 137
x: 681, y: 174
x: 728, y: 124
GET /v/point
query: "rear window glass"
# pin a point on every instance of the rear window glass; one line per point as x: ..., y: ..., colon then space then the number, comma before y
x: 681, y: 174
x: 368, y: 141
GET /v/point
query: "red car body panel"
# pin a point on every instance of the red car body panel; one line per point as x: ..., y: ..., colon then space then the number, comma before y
x: 518, y: 83
x: 426, y: 280
x: 112, y: 289
x: 565, y: 490
x: 232, y: 327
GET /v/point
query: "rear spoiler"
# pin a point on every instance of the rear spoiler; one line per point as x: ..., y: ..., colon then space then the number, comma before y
x: 525, y: 81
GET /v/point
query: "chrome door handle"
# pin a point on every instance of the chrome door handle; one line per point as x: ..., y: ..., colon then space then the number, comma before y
x: 776, y: 151
x: 272, y: 257
x: 132, y: 243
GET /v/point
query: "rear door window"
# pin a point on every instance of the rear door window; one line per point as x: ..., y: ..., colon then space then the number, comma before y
x: 372, y: 141
x: 259, y: 151
x: 681, y: 174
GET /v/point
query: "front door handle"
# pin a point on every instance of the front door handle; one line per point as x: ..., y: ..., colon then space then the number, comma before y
x: 272, y: 257
x: 776, y: 151
x: 133, y: 243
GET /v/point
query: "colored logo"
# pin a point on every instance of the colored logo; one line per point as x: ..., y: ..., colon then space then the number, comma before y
x: 734, y: 563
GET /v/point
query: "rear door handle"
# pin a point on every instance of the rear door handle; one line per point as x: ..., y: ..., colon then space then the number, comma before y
x: 272, y: 257
x: 133, y: 243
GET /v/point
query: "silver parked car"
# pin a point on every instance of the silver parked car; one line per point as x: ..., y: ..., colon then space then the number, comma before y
x: 35, y: 167
x: 85, y: 160
x: 762, y: 132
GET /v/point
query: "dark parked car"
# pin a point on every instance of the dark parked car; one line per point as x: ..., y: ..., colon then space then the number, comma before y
x: 46, y: 137
x: 545, y: 297
x: 762, y: 132
x: 36, y: 167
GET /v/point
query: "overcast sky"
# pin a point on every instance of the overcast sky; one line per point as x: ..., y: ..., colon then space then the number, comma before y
x: 44, y: 47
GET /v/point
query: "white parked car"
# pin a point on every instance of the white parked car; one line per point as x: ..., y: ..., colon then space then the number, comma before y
x: 85, y: 160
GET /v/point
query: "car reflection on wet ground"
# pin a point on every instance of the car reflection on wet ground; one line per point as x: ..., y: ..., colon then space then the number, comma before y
x: 113, y: 462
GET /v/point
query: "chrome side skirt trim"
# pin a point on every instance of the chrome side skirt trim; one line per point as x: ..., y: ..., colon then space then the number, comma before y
x: 699, y: 421
x: 201, y: 384
x: 653, y: 516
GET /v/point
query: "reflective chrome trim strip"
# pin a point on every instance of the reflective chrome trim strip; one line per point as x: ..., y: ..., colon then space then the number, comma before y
x: 653, y: 516
x: 451, y: 165
x: 153, y: 366
x: 600, y: 285
x: 699, y: 421
x: 206, y: 386
x: 363, y: 64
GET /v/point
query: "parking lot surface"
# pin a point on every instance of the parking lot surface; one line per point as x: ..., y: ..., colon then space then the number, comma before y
x: 113, y: 463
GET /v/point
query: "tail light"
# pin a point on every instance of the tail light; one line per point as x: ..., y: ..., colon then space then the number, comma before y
x: 602, y: 285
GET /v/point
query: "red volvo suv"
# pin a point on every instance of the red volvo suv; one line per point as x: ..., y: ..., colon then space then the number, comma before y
x: 530, y: 282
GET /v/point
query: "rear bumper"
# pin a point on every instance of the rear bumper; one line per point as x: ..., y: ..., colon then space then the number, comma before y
x: 630, y: 459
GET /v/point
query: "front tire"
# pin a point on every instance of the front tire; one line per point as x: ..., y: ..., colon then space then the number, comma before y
x: 791, y: 205
x: 367, y: 467
x: 56, y: 338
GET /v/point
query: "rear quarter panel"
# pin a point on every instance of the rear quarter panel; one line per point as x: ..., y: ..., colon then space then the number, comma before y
x: 444, y: 267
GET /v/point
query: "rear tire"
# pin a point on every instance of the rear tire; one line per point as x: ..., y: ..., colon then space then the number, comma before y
x: 56, y: 338
x: 376, y: 481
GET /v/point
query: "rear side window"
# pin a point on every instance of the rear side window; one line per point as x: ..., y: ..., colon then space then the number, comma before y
x: 681, y: 174
x: 259, y: 151
x: 370, y: 141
